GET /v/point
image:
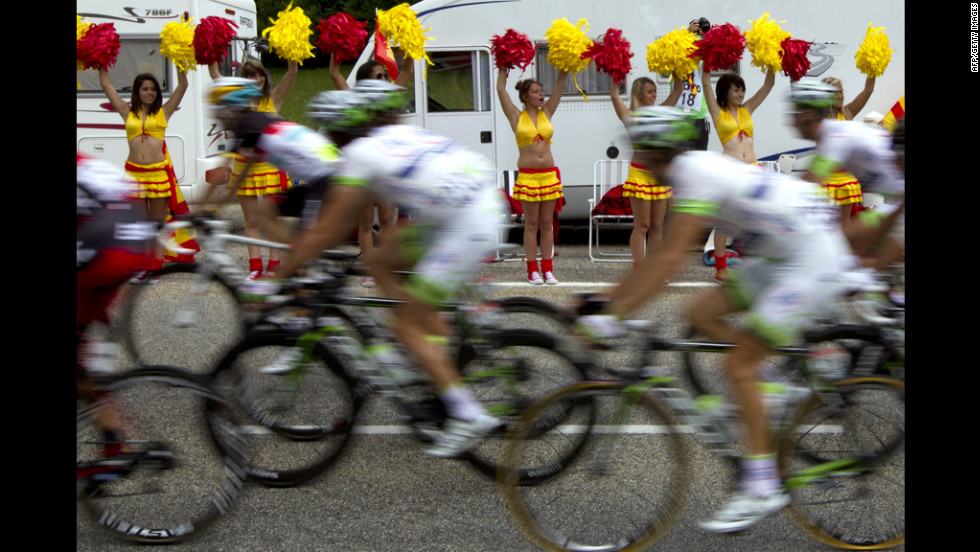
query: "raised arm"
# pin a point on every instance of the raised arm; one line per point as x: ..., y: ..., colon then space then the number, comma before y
x: 621, y: 110
x: 510, y: 110
x: 709, y: 96
x: 282, y: 89
x: 333, y: 70
x: 851, y: 110
x: 408, y: 69
x: 552, y: 104
x: 756, y: 100
x: 675, y: 94
x: 118, y: 104
x: 176, y: 96
x: 213, y: 71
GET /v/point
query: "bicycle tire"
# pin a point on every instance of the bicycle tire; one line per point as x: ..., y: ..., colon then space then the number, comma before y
x: 623, y: 491
x: 151, y: 326
x: 517, y: 368
x: 860, y: 504
x: 293, y: 435
x: 160, y: 501
x: 531, y: 312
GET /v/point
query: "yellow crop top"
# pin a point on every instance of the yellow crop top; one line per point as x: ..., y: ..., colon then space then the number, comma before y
x: 155, y: 125
x: 266, y: 105
x: 527, y: 133
x: 729, y: 128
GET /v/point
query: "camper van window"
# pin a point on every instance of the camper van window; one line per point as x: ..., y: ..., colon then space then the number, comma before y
x: 590, y: 81
x: 135, y: 56
x: 458, y: 81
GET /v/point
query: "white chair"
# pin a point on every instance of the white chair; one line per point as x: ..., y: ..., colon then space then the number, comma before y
x: 787, y: 162
x: 770, y: 165
x: 607, y: 174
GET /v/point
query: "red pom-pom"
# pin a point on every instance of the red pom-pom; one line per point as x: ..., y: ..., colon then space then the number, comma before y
x: 212, y: 36
x: 512, y: 50
x: 611, y: 54
x: 99, y: 48
x: 795, y: 62
x: 720, y: 48
x: 342, y: 35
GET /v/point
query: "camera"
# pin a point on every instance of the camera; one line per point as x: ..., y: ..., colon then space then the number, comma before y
x: 704, y: 24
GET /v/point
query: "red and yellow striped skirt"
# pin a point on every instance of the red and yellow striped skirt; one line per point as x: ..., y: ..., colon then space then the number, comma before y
x: 843, y: 188
x: 538, y: 185
x: 642, y: 185
x: 151, y: 181
x: 262, y: 178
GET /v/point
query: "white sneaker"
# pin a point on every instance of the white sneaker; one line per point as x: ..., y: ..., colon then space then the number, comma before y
x: 534, y: 278
x: 143, y: 276
x: 549, y: 278
x: 284, y: 363
x: 745, y: 510
x: 254, y: 275
x: 459, y: 436
x: 367, y: 282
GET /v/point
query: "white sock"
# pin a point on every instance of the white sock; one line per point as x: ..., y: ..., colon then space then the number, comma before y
x: 461, y: 404
x: 760, y: 475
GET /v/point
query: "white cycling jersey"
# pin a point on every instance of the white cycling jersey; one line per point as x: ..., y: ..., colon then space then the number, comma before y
x: 291, y: 147
x: 773, y: 214
x: 862, y: 150
x: 429, y: 175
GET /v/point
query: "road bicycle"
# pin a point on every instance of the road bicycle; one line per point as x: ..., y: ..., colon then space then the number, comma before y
x: 303, y: 381
x: 841, y: 453
x: 167, y: 482
x: 192, y: 309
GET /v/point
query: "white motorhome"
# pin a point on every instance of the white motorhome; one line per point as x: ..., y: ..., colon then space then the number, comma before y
x: 456, y: 96
x: 194, y: 140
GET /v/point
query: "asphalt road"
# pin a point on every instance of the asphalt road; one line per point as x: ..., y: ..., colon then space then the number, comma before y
x: 386, y: 495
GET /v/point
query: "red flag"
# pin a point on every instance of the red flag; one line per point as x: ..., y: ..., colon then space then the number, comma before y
x: 383, y: 53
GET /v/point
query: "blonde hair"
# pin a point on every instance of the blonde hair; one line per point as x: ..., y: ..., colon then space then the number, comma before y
x: 637, y: 90
x: 833, y: 82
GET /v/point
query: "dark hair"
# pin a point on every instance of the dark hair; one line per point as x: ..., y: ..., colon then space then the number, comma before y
x: 253, y: 66
x: 365, y: 70
x: 135, y: 104
x: 724, y: 85
x: 523, y: 86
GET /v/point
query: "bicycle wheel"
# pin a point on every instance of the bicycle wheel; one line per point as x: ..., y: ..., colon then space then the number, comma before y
x: 843, y: 460
x: 298, y: 414
x: 624, y: 491
x: 169, y: 482
x: 517, y: 368
x: 530, y: 312
x: 181, y: 319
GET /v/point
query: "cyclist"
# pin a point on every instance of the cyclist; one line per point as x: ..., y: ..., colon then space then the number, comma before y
x: 874, y: 156
x: 455, y: 212
x: 112, y: 237
x: 795, y: 257
x: 267, y: 138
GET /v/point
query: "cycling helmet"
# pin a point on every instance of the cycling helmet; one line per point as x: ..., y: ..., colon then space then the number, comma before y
x: 339, y: 111
x: 232, y: 92
x: 380, y: 95
x: 663, y: 127
x: 813, y: 94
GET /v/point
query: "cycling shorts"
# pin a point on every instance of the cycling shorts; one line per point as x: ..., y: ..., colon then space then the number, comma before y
x: 302, y: 201
x: 97, y: 283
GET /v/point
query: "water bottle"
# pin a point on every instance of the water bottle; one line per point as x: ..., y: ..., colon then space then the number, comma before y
x: 830, y: 364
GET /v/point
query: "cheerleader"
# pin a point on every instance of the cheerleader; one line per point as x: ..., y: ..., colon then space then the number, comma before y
x: 538, y: 185
x: 648, y: 198
x: 253, y: 179
x: 148, y: 164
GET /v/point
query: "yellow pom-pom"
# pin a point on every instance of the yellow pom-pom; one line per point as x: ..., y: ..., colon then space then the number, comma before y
x: 764, y: 40
x: 401, y: 26
x: 873, y: 55
x: 290, y: 34
x: 177, y: 45
x: 671, y: 54
x: 82, y: 29
x: 566, y: 43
